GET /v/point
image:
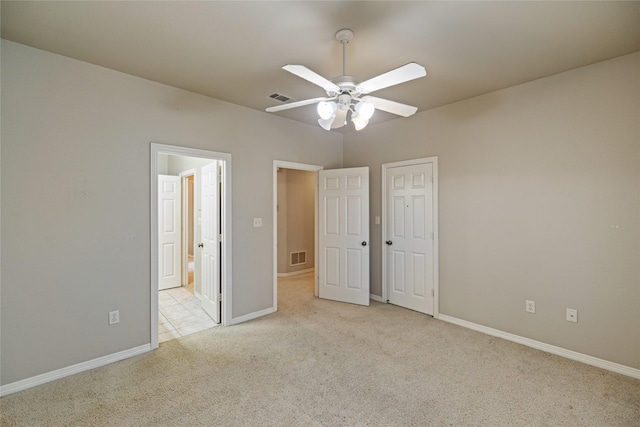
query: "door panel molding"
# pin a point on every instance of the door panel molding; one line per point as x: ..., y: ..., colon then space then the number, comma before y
x: 343, y: 235
x: 386, y: 254
x: 210, y: 275
x: 169, y: 232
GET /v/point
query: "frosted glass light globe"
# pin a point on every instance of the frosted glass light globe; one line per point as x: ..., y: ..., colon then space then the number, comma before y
x: 326, y: 109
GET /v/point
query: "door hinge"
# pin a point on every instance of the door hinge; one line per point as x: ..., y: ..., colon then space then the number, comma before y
x: 219, y: 298
x: 220, y: 237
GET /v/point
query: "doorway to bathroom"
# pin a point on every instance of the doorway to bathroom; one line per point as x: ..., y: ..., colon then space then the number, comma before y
x: 191, y: 238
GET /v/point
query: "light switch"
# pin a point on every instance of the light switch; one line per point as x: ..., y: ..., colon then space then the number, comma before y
x: 377, y: 220
x: 257, y: 222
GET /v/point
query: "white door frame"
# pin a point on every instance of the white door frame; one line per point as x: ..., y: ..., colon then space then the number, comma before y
x: 296, y: 166
x: 383, y: 246
x: 156, y: 150
x: 185, y: 222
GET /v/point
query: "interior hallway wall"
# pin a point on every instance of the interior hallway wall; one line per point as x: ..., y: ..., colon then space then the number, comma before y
x: 283, y: 250
x: 296, y: 218
x: 539, y: 199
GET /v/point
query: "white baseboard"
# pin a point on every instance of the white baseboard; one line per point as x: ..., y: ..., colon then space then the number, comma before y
x: 73, y: 369
x: 251, y: 316
x: 297, y: 273
x: 569, y: 354
x: 375, y: 298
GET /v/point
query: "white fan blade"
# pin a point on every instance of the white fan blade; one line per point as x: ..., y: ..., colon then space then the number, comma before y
x: 393, y: 107
x: 296, y: 104
x: 341, y: 119
x: 399, y: 75
x: 316, y: 79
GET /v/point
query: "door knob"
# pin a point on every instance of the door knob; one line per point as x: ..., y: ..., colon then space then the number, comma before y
x: 389, y: 242
x: 201, y: 245
x: 364, y: 243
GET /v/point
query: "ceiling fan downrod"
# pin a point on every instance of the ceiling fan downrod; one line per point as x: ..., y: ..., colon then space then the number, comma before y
x: 344, y: 36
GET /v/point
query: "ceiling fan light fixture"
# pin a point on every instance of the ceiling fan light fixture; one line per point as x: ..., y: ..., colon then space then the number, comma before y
x: 365, y: 110
x: 327, y: 109
x: 344, y: 92
x: 326, y: 123
x: 359, y: 122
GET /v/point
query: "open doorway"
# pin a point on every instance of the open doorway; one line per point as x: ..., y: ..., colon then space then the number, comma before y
x: 182, y: 309
x: 188, y: 228
x: 190, y: 240
x: 295, y: 224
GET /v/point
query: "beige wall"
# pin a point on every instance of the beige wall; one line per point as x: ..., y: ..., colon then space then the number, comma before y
x: 296, y: 218
x: 539, y: 199
x: 283, y: 252
x: 300, y: 225
x: 75, y: 202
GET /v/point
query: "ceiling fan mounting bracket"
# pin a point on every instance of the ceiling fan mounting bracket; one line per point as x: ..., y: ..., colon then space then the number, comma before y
x: 344, y: 35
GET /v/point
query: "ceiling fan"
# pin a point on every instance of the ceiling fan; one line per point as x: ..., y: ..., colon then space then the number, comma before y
x: 349, y: 94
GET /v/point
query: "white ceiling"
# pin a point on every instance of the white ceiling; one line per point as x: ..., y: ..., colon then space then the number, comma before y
x: 234, y: 51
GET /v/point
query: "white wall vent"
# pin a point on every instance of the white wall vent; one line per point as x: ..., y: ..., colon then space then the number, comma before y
x: 297, y: 258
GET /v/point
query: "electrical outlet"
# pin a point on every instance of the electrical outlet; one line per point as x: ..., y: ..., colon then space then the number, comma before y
x: 257, y: 222
x: 530, y: 306
x: 572, y: 315
x: 114, y: 317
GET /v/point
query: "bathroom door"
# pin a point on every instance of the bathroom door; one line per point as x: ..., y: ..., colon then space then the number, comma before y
x: 169, y: 232
x: 210, y: 258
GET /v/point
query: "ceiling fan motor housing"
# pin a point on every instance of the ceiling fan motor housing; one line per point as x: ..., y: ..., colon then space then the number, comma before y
x: 347, y: 84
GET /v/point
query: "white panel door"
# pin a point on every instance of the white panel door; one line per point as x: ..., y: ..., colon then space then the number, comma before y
x: 410, y: 244
x: 209, y: 253
x: 169, y: 232
x: 344, y: 235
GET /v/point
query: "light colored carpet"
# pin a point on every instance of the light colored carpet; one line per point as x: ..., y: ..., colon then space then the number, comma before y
x: 322, y: 363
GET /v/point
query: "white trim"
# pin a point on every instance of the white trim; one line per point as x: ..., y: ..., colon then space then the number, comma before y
x: 375, y: 298
x: 297, y: 273
x: 227, y: 281
x: 252, y: 316
x: 296, y: 166
x: 569, y: 354
x: 436, y: 275
x: 71, y: 370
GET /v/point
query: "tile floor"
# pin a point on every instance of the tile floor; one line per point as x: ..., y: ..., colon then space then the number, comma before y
x: 180, y: 314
